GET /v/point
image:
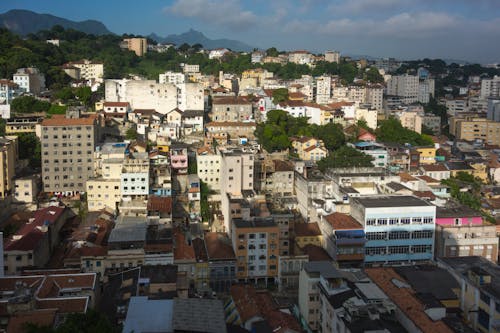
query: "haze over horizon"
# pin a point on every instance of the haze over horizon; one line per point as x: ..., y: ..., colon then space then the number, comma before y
x: 405, y: 29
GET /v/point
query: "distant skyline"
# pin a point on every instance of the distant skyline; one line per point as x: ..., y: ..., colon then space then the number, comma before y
x: 407, y: 29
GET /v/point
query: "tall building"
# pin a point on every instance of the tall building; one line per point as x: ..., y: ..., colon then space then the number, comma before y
x: 85, y: 69
x: 8, y: 159
x: 137, y: 45
x: 68, y: 143
x: 490, y: 87
x: 470, y: 128
x: 30, y: 80
x: 255, y: 243
x: 332, y: 56
x: 399, y: 229
x: 404, y: 86
x: 323, y: 89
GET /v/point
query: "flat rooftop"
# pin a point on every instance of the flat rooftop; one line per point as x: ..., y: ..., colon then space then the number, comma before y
x: 145, y: 315
x: 256, y: 223
x: 391, y: 201
x: 198, y: 315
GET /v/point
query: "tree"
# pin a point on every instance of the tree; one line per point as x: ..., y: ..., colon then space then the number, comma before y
x: 184, y: 48
x: 280, y: 95
x: 332, y: 135
x: 131, y: 134
x: 28, y: 104
x: 391, y: 130
x: 30, y: 148
x: 373, y: 75
x: 345, y: 157
x: 2, y: 127
x: 84, y: 95
x: 272, y: 52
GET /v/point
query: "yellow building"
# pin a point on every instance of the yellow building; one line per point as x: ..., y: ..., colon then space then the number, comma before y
x: 8, y: 160
x: 471, y: 128
x: 309, y: 149
x: 102, y: 193
x: 427, y: 154
x: 255, y: 243
x: 307, y: 234
x: 138, y: 45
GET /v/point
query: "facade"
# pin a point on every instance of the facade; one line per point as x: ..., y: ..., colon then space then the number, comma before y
x: 138, y: 45
x: 490, y: 87
x: 398, y: 229
x: 344, y: 238
x: 25, y: 123
x: 307, y: 233
x: 309, y: 149
x: 30, y: 80
x: 26, y: 189
x: 479, y: 281
x: 411, y: 120
x: 323, y: 89
x: 221, y: 261
x: 209, y: 168
x: 255, y: 243
x: 332, y: 56
x: 404, y: 86
x: 472, y: 128
x: 68, y: 144
x: 377, y: 151
x: 231, y: 109
x: 8, y: 160
x: 85, y: 70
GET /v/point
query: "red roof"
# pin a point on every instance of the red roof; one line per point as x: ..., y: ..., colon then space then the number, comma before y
x: 116, y: 104
x: 160, y: 204
x: 61, y: 120
x: 340, y: 221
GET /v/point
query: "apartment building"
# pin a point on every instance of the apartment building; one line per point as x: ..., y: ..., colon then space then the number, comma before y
x: 479, y: 281
x: 209, y: 167
x: 461, y: 231
x: 405, y: 87
x: 231, y: 109
x: 332, y: 56
x: 172, y: 77
x: 30, y: 80
x: 138, y: 45
x: 255, y: 243
x: 8, y: 161
x: 134, y: 179
x: 411, y: 120
x: 471, y: 127
x: 25, y: 123
x: 490, y: 87
x: 309, y: 293
x: 85, y: 70
x: 323, y: 89
x: 398, y: 229
x: 300, y: 57
x: 68, y: 143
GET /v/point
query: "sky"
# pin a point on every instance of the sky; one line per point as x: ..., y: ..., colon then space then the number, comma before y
x: 406, y: 29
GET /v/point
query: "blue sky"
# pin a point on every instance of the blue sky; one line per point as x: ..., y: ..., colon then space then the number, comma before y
x: 407, y: 29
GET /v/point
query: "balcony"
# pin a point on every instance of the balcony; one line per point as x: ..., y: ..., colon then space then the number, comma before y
x: 351, y: 257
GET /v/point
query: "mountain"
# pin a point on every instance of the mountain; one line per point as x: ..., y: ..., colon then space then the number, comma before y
x: 195, y: 37
x: 24, y: 22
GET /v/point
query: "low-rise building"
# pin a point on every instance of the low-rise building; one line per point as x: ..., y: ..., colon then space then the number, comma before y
x: 309, y: 149
x: 221, y: 261
x: 307, y: 233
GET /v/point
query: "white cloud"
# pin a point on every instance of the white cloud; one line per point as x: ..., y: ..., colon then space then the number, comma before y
x: 228, y: 13
x: 364, y: 6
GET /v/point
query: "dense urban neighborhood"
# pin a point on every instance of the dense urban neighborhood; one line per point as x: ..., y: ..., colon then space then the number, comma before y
x: 153, y: 187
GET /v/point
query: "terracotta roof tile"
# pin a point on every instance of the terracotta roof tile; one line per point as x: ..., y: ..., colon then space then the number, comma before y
x: 219, y: 246
x: 161, y: 204
x: 405, y: 299
x: 307, y: 229
x: 61, y: 120
x: 18, y: 321
x: 340, y: 221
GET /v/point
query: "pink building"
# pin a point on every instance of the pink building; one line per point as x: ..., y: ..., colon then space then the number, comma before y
x: 179, y: 158
x: 457, y: 216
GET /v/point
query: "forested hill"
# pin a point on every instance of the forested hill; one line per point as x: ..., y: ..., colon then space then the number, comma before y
x: 24, y: 22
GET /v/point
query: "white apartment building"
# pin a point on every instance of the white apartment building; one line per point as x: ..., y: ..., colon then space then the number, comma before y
x: 209, y: 168
x: 87, y: 70
x: 162, y: 97
x: 411, y: 120
x: 30, y: 80
x: 172, y: 77
x: 490, y: 87
x: 368, y: 115
x: 323, y: 89
x: 134, y: 180
x: 454, y: 106
x: 300, y: 57
x: 332, y: 56
x: 425, y: 90
x: 375, y: 96
x: 187, y: 68
x: 405, y: 86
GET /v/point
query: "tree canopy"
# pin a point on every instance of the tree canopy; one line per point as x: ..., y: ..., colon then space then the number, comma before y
x: 391, y: 130
x: 29, y: 104
x: 345, y: 157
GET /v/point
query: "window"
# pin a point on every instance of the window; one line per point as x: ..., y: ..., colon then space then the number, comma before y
x: 370, y: 221
x: 417, y: 220
x: 428, y: 219
x: 371, y: 251
x: 251, y: 236
x: 376, y: 235
x: 382, y: 222
x: 421, y: 248
x: 399, y: 249
x: 405, y: 220
x: 422, y: 234
x: 399, y: 235
x: 263, y: 235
